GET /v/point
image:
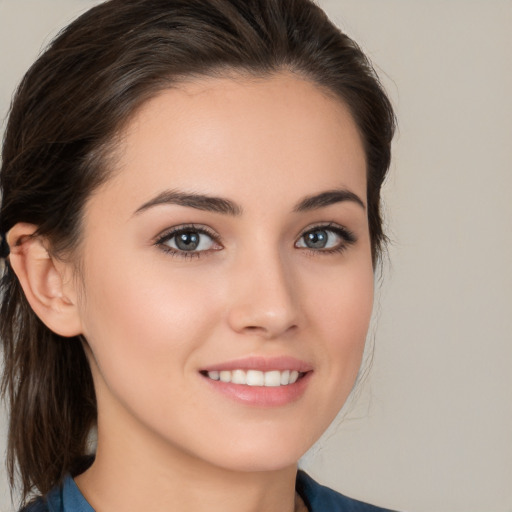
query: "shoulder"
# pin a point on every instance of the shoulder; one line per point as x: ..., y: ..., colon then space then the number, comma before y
x: 38, y: 505
x: 319, y: 498
x: 52, y: 502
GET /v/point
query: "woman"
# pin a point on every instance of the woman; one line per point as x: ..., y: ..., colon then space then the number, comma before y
x: 191, y: 224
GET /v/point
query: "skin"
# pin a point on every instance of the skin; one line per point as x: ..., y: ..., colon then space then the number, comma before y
x: 153, y: 319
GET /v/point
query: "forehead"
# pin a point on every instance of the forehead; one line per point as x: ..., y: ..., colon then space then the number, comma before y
x: 240, y: 137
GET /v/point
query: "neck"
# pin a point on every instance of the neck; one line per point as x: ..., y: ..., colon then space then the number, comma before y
x: 138, y: 473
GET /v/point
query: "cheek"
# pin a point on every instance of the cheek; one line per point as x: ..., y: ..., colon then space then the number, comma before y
x: 342, y: 308
x: 142, y: 325
x: 141, y: 300
x: 348, y: 309
x: 342, y: 301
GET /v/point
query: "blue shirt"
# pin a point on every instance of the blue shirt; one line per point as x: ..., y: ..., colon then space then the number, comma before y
x: 68, y: 498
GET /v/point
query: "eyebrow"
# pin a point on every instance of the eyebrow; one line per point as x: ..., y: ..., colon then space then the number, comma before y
x: 328, y: 198
x: 192, y: 200
x: 228, y: 207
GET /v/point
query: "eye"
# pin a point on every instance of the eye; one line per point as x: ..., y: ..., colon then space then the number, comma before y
x: 188, y: 241
x: 326, y: 238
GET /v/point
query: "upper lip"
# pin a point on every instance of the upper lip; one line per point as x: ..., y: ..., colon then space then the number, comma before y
x: 263, y: 364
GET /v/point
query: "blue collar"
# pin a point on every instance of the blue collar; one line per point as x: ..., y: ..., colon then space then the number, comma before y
x: 317, y: 498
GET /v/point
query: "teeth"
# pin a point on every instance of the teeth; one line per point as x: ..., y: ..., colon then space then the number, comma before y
x: 225, y: 376
x: 255, y: 378
x: 273, y: 378
x: 238, y: 377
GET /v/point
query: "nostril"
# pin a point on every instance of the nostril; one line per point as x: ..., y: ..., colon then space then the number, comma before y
x: 263, y: 315
x: 267, y: 332
x: 255, y: 329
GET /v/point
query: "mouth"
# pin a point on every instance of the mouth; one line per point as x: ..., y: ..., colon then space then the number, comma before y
x: 256, y: 378
x: 260, y: 382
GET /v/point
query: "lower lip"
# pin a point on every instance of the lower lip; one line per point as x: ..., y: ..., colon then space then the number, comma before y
x: 262, y: 396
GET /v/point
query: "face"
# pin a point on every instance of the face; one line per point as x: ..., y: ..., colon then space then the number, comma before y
x: 227, y: 278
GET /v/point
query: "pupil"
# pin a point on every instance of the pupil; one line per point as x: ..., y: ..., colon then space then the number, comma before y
x: 316, y: 239
x: 187, y: 241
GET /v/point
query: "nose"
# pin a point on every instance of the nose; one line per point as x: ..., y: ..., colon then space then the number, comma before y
x: 264, y: 297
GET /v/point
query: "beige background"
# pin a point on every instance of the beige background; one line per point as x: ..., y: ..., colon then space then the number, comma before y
x: 432, y: 429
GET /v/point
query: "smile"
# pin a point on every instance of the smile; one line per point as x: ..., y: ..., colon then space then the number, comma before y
x: 273, y: 378
x: 260, y: 381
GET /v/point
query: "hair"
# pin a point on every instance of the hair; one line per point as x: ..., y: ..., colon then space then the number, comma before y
x: 62, y: 130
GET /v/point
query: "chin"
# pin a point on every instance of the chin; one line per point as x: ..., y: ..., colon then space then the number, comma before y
x: 259, y: 463
x: 259, y: 455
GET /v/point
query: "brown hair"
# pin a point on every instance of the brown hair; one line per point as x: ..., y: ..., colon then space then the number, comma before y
x: 61, y: 130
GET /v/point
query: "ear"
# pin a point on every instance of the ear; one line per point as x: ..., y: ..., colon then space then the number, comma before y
x: 47, y: 282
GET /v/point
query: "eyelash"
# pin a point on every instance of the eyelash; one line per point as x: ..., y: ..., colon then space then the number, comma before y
x: 170, y: 234
x: 348, y: 239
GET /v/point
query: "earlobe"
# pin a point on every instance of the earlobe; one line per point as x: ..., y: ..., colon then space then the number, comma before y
x: 47, y: 283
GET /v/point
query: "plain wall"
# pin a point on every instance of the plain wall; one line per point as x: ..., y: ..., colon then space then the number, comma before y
x: 432, y: 428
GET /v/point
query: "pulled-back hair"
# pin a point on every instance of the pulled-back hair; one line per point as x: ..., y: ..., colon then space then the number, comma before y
x: 62, y: 129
